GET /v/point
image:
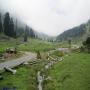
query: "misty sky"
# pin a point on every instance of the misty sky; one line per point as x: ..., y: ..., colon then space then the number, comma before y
x: 49, y: 16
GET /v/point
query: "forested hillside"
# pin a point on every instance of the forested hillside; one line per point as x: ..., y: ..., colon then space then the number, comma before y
x: 12, y: 27
x: 78, y: 33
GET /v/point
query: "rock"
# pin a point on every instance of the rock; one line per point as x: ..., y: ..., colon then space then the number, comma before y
x: 14, y: 71
x: 48, y: 78
x: 25, y: 63
x: 47, y: 67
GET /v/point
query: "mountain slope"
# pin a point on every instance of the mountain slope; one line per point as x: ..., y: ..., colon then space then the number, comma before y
x: 20, y: 27
x: 79, y: 32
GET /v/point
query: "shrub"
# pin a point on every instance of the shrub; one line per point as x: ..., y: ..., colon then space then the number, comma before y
x: 86, y: 45
x: 38, y: 55
x: 58, y: 53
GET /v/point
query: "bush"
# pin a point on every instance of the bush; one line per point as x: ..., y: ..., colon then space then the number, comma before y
x: 86, y: 45
x: 58, y: 53
x: 38, y: 55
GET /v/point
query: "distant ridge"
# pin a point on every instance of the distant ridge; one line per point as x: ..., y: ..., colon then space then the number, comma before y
x: 76, y: 33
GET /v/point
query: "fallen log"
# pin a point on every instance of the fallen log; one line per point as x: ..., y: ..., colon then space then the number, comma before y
x: 10, y: 70
x: 40, y: 80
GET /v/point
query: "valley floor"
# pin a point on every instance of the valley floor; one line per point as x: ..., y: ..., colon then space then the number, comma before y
x: 73, y: 73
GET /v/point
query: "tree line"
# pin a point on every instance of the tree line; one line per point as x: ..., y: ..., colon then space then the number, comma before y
x: 9, y: 27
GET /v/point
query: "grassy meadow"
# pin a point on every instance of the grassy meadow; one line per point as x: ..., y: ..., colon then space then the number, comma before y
x: 6, y: 44
x: 37, y: 45
x: 73, y: 73
x: 24, y: 79
x: 70, y: 74
x: 32, y: 45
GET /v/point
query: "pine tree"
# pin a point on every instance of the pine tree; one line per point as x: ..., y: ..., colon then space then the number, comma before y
x: 7, y: 24
x: 12, y: 31
x: 87, y: 44
x: 31, y: 33
x: 26, y: 34
x: 69, y: 42
x: 1, y: 27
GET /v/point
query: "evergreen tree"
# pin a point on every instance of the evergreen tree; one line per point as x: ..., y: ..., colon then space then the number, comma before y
x: 12, y: 31
x: 7, y: 24
x: 26, y: 34
x: 87, y: 44
x: 69, y: 42
x: 1, y: 27
x: 31, y: 33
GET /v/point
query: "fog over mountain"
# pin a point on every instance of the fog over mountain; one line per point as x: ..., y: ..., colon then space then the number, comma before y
x: 49, y: 16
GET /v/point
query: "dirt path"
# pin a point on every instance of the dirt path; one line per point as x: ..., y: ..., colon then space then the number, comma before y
x: 13, y: 63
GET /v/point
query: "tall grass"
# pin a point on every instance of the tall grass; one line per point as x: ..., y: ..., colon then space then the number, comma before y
x: 73, y: 73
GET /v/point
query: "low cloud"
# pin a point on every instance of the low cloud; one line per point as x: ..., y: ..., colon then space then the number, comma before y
x: 49, y: 16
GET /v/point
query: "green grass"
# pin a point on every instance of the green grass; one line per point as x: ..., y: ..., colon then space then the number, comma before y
x: 57, y: 54
x: 24, y: 79
x: 73, y: 73
x: 31, y: 45
x: 6, y: 44
x: 36, y: 45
